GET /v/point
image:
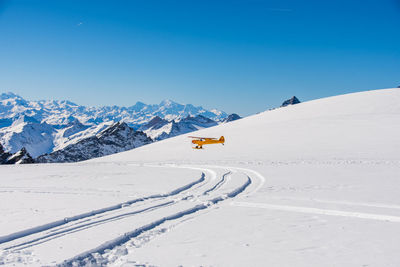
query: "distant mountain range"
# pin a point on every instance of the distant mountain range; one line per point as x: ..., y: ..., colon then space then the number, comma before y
x: 61, y: 131
x: 61, y: 113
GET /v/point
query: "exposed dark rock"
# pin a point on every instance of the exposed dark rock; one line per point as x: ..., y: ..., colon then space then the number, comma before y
x: 3, y: 155
x: 154, y: 123
x: 291, y: 101
x: 232, y: 117
x: 20, y: 157
x: 116, y: 138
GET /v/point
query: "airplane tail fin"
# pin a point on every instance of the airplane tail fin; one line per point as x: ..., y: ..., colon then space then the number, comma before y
x: 222, y: 139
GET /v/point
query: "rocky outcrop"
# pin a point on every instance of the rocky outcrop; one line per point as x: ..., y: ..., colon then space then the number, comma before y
x: 3, y: 155
x: 232, y: 117
x: 292, y: 101
x: 20, y: 157
x: 118, y: 137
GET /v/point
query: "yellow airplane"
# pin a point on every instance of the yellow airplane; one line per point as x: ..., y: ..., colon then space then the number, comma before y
x: 200, y: 141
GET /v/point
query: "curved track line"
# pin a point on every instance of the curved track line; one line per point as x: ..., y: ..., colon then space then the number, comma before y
x: 257, y: 174
x: 79, y: 226
x: 54, y: 224
x: 191, y: 167
x: 88, y: 255
x: 88, y: 225
x: 83, y: 225
x: 360, y: 215
x: 348, y: 203
x: 217, y: 185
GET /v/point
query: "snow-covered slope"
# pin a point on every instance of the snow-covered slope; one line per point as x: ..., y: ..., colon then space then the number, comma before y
x: 27, y: 132
x: 312, y: 184
x: 354, y: 126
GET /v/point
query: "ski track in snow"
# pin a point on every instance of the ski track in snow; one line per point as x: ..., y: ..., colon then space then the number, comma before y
x: 16, y: 242
x: 83, y: 226
x: 219, y: 184
x: 87, y: 257
x: 54, y: 224
x: 347, y: 203
x: 360, y: 215
x: 208, y: 190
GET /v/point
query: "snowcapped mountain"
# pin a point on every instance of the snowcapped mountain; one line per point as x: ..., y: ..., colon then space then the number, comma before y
x: 47, y: 126
x: 27, y: 132
x: 61, y: 113
x: 159, y: 129
x: 116, y: 138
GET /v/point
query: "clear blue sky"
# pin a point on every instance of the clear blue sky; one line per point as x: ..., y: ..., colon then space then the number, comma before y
x: 239, y: 56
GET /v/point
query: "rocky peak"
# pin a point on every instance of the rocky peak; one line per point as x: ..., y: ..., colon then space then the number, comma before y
x: 154, y: 123
x: 118, y: 129
x: 156, y: 120
x: 292, y: 101
x: 21, y: 157
x: 232, y: 117
x: 198, y: 119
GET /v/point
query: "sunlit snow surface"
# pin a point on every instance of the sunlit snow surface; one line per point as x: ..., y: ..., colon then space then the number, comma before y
x: 315, y: 184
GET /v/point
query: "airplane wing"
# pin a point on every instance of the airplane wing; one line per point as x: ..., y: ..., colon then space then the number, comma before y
x: 206, y: 138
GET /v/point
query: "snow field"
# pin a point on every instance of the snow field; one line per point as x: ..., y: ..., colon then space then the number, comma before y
x: 110, y: 222
x: 315, y: 184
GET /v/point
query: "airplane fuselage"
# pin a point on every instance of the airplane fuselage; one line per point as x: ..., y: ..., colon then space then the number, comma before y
x: 206, y: 141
